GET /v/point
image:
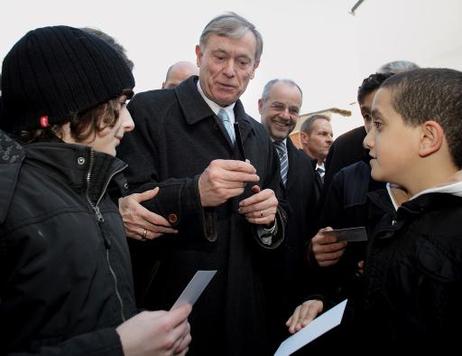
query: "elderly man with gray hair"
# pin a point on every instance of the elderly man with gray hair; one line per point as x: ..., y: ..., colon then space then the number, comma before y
x: 217, y: 173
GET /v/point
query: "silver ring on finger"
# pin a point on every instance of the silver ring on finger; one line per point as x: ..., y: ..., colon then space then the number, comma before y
x: 145, y: 233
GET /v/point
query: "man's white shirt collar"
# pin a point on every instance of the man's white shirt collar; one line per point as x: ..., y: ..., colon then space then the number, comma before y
x: 215, y: 107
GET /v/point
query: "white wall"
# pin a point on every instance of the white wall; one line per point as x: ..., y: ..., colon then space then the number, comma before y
x: 317, y: 43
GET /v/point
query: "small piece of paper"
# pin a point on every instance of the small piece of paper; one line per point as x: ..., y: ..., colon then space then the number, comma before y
x: 194, y: 288
x: 350, y: 234
x: 313, y: 330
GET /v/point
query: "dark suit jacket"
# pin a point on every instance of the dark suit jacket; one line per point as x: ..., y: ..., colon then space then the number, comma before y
x: 176, y: 137
x: 300, y: 194
x: 318, y: 183
x: 346, y: 149
x: 290, y: 271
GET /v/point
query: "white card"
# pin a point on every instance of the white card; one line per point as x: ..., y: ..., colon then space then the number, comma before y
x: 313, y: 330
x: 194, y: 288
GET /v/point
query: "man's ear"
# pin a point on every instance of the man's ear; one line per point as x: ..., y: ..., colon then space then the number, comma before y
x: 260, y: 105
x: 431, y: 138
x: 303, y: 137
x: 198, y: 55
x: 252, y: 75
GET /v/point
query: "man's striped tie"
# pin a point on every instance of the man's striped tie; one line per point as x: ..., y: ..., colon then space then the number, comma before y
x: 281, y: 149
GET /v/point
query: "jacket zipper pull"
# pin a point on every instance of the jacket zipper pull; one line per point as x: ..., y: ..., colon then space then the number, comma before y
x: 100, y: 219
x: 99, y: 216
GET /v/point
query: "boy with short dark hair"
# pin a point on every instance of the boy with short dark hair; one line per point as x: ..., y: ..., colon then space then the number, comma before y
x: 414, y: 264
x: 413, y: 271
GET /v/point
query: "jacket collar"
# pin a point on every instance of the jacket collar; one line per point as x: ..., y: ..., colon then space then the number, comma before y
x: 79, y: 166
x: 453, y: 186
x: 428, y: 202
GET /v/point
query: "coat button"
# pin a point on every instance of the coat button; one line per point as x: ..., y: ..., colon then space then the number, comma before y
x: 80, y: 161
x: 172, y: 218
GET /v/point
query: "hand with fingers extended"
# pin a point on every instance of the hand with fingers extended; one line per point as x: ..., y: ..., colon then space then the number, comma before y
x: 141, y: 223
x: 326, y: 250
x: 304, y: 314
x: 156, y: 333
x: 261, y: 207
x: 224, y: 179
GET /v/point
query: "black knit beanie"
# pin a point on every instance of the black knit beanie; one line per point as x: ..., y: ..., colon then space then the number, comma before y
x: 53, y: 72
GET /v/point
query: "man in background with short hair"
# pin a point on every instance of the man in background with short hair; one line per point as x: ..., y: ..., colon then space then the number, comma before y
x: 178, y: 72
x: 316, y: 138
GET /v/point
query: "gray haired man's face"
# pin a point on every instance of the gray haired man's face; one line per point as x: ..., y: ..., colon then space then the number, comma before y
x: 226, y: 66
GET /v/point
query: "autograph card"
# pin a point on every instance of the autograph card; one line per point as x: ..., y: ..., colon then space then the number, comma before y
x: 313, y: 330
x: 194, y: 288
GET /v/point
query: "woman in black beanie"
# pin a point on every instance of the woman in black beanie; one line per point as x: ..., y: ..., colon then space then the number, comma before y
x: 65, y: 276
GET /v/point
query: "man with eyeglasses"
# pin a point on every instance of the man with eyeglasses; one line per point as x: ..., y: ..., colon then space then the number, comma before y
x: 279, y: 108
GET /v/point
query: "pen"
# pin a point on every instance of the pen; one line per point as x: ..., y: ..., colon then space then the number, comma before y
x: 240, y: 145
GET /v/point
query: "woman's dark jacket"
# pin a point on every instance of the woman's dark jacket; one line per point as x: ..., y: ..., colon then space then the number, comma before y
x: 65, y: 275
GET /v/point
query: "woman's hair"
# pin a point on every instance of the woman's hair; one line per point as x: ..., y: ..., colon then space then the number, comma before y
x: 82, y: 125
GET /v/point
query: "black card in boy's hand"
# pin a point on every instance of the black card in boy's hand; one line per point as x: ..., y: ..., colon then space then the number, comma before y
x: 350, y: 234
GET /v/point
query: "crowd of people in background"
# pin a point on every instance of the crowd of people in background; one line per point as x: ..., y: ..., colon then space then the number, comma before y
x: 110, y: 202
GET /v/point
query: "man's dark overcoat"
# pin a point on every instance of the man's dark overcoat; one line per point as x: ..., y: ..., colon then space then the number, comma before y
x: 177, y: 135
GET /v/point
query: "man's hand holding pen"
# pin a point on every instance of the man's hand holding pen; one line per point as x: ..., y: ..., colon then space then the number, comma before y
x: 225, y: 179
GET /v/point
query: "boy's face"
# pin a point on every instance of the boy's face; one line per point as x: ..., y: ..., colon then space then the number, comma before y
x: 393, y: 145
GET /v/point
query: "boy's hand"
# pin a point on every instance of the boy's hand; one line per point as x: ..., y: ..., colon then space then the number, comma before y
x: 304, y: 314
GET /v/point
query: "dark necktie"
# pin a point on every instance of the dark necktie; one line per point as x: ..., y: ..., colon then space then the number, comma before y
x: 320, y: 171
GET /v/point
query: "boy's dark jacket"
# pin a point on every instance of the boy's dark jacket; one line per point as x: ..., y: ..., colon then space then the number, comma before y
x: 65, y: 278
x: 413, y: 279
x: 414, y: 274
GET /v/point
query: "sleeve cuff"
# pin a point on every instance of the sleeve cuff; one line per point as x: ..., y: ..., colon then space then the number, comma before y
x: 266, y: 234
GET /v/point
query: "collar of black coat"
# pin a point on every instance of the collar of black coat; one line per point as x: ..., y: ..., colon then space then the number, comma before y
x: 196, y: 109
x: 79, y: 166
x: 429, y: 202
